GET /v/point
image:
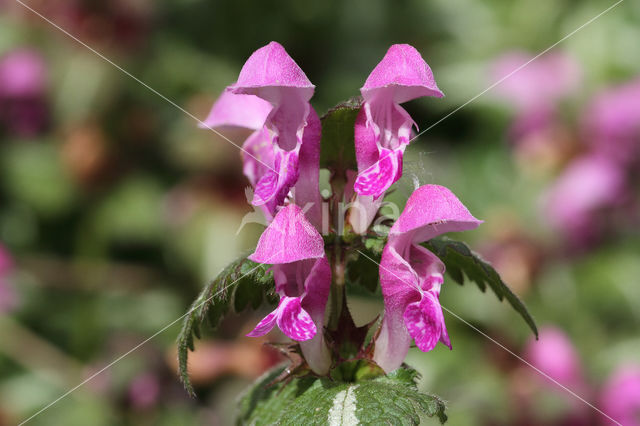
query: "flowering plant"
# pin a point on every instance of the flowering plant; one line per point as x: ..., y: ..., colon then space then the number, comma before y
x: 315, y: 247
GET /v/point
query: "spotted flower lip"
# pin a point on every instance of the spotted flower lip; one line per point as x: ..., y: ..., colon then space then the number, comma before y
x: 401, y: 76
x: 411, y: 276
x: 303, y: 278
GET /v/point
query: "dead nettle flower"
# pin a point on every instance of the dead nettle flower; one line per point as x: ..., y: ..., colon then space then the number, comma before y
x: 411, y: 276
x: 272, y: 96
x: 383, y: 128
x: 303, y: 279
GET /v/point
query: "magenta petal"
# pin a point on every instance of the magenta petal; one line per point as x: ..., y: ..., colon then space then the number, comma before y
x: 257, y: 155
x: 365, y: 141
x: 403, y: 69
x: 264, y: 326
x: 433, y: 210
x: 295, y: 322
x: 421, y: 326
x: 380, y: 176
x: 306, y: 190
x: 273, y: 187
x: 230, y: 109
x: 289, y: 238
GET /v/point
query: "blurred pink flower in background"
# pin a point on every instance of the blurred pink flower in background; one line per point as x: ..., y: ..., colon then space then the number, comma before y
x: 621, y: 396
x: 541, y: 83
x: 612, y: 122
x: 23, y: 82
x: 144, y: 391
x: 8, y: 296
x: 589, y: 185
x: 22, y: 73
x: 534, y: 90
x: 555, y: 355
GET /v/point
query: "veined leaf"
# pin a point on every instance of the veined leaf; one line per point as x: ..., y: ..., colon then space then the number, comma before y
x: 461, y: 261
x: 391, y: 399
x: 337, y: 145
x: 240, y: 284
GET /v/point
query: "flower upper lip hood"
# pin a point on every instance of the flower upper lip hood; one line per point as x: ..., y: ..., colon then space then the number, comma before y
x: 271, y: 66
x: 432, y: 210
x: 403, y: 69
x: 289, y: 238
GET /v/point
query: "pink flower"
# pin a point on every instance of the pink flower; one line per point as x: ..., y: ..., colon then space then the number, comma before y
x: 588, y: 186
x: 554, y: 354
x: 272, y: 75
x: 539, y: 83
x: 22, y: 74
x: 621, y: 396
x: 303, y: 279
x: 383, y: 127
x: 411, y: 276
x: 23, y: 81
x: 612, y: 122
x: 144, y: 391
x: 534, y: 88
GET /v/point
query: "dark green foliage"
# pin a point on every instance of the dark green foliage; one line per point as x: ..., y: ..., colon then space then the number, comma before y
x: 337, y: 145
x: 361, y: 270
x: 392, y: 399
x: 242, y: 283
x: 460, y: 260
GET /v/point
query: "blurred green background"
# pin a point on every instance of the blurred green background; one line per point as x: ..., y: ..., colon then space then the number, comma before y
x: 116, y: 208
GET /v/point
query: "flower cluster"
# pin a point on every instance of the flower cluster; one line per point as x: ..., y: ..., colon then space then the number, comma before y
x: 282, y: 161
x: 599, y: 157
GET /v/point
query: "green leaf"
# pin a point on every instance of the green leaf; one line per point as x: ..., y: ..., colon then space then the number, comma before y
x: 363, y: 271
x: 337, y: 146
x: 392, y: 399
x: 242, y: 283
x: 460, y: 260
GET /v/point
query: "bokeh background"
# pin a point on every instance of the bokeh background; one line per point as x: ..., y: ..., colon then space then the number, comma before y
x: 115, y: 208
